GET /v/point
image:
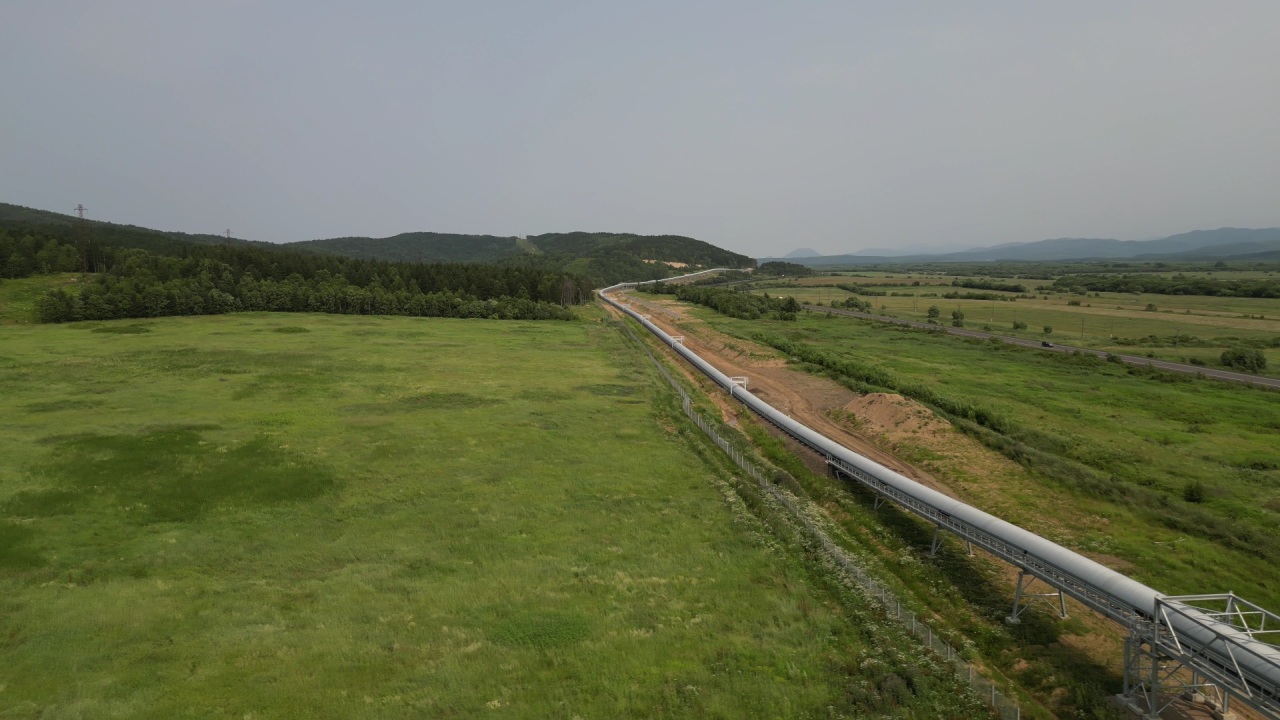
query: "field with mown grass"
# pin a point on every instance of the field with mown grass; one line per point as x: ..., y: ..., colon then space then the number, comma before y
x: 306, y: 516
x: 1176, y: 479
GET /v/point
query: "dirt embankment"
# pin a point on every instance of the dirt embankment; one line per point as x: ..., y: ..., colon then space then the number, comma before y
x: 817, y: 402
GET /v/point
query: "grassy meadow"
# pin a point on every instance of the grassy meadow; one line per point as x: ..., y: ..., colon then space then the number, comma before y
x: 305, y: 516
x: 18, y: 297
x: 1117, y: 322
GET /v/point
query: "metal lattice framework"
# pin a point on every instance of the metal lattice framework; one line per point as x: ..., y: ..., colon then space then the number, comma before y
x: 1169, y: 635
x: 1232, y: 640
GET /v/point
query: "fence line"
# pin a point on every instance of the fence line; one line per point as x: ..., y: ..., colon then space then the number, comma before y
x: 1006, y: 707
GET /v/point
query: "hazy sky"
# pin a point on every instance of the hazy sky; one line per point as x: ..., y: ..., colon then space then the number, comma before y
x: 758, y: 126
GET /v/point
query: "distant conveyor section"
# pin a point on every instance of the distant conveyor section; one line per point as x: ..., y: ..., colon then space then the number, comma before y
x: 1209, y: 644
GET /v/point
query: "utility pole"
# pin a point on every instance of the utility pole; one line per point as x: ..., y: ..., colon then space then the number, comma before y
x: 1082, y: 328
x: 228, y: 236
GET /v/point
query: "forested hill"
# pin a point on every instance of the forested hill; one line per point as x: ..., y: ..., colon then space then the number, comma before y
x: 132, y: 272
x: 419, y: 247
x: 602, y: 258
x: 658, y: 248
x: 595, y: 258
x: 18, y: 220
x: 607, y: 258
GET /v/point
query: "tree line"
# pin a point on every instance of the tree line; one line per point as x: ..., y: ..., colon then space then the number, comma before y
x: 739, y: 304
x: 1178, y: 284
x: 990, y: 285
x: 209, y: 279
x: 781, y: 267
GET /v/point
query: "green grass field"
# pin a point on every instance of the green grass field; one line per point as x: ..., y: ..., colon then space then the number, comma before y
x: 18, y: 297
x: 1113, y: 321
x: 302, y: 516
x: 1142, y: 440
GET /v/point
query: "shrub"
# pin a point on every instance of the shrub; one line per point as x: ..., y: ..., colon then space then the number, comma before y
x: 1048, y: 329
x: 1193, y: 492
x: 1019, y: 325
x: 1151, y: 307
x: 1245, y: 359
x: 957, y: 318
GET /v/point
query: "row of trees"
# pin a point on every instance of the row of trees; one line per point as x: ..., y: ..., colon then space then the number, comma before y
x: 781, y: 267
x: 1169, y: 285
x: 215, y: 291
x: 35, y: 252
x: 990, y: 285
x: 861, y: 290
x: 205, y: 279
x: 739, y: 304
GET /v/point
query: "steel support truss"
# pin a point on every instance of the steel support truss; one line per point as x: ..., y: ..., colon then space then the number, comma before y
x: 1162, y: 663
x: 1025, y: 579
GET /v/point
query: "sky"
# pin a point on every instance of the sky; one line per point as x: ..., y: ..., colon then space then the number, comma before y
x: 758, y: 126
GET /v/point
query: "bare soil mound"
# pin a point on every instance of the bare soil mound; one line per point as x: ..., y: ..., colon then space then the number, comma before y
x: 897, y: 416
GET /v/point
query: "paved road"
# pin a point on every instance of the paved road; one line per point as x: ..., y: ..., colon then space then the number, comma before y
x: 1130, y: 359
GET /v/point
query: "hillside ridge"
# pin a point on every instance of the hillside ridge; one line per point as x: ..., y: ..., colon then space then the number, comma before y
x: 1220, y: 244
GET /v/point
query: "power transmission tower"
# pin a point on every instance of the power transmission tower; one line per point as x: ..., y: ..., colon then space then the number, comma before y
x: 81, y: 240
x: 228, y: 236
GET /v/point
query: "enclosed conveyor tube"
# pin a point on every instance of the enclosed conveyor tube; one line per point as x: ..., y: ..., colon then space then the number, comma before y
x: 1110, y: 593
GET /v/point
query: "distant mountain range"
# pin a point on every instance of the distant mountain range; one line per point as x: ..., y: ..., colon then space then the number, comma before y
x: 1220, y: 244
x: 802, y: 253
x: 599, y: 257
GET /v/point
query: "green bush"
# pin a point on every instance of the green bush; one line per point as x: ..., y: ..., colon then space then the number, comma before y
x: 1245, y: 359
x: 1193, y: 492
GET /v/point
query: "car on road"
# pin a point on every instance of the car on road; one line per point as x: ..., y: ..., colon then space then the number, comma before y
x: 1045, y: 343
